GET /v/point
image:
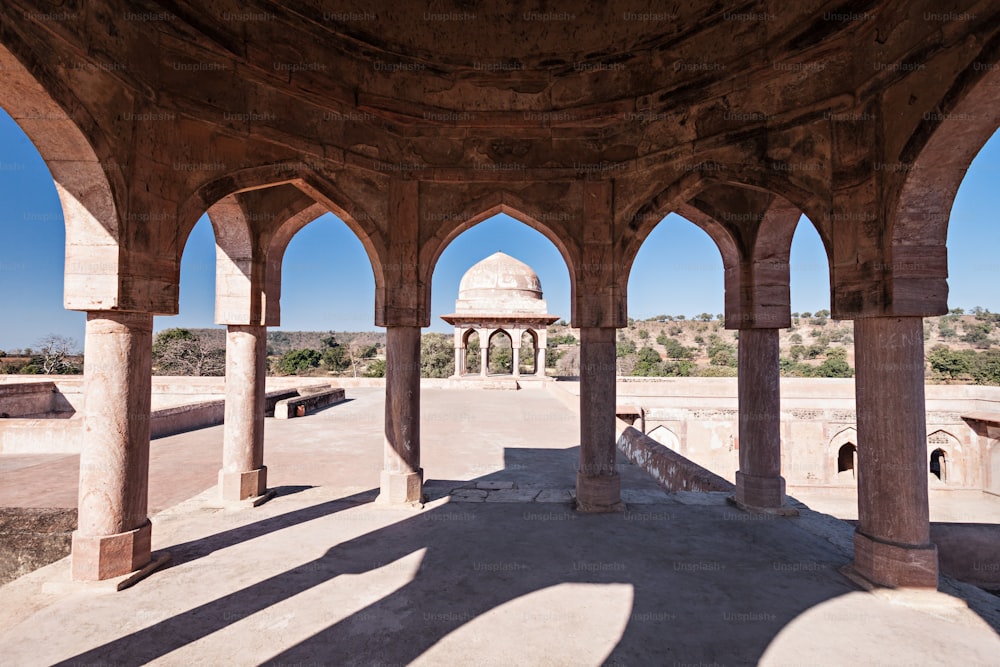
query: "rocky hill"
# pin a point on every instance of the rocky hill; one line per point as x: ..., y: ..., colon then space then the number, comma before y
x: 960, y: 347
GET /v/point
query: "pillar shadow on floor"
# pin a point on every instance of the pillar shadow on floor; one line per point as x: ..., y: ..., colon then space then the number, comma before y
x: 706, y: 585
x: 186, y: 552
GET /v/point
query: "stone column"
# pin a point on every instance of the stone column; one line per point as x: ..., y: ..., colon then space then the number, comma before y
x: 243, y: 474
x: 759, y: 484
x: 402, y: 476
x: 598, y: 485
x: 515, y: 353
x: 541, y: 342
x: 484, y: 353
x: 459, y: 342
x: 114, y: 532
x: 892, y: 544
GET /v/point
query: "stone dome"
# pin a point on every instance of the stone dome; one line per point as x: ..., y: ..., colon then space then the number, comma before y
x: 498, y: 285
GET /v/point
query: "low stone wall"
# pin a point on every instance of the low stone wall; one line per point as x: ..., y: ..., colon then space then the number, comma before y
x: 307, y: 402
x: 671, y: 470
x: 26, y: 399
x: 60, y: 434
x: 31, y: 537
x: 183, y: 418
x: 273, y: 397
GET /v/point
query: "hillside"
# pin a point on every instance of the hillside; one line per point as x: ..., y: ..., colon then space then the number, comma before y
x: 959, y: 347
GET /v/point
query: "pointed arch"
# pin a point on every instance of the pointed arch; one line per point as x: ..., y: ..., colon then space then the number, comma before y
x: 291, y: 195
x: 235, y: 282
x: 666, y: 437
x: 938, y: 155
x: 840, y: 440
x: 468, y: 333
x: 86, y: 186
x: 431, y: 251
x: 489, y: 346
x: 951, y: 467
x: 674, y: 200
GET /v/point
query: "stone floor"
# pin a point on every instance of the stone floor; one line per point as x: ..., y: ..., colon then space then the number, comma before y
x: 497, y: 569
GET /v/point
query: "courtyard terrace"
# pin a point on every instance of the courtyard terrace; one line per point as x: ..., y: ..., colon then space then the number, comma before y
x: 496, y: 569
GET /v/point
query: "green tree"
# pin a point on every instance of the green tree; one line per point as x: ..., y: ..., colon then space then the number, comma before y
x: 987, y: 367
x: 437, y: 356
x: 296, y: 362
x: 647, y: 363
x: 564, y: 339
x: 624, y: 347
x: 335, y: 358
x: 721, y: 353
x: 978, y: 334
x: 501, y: 355
x: 949, y: 364
x: 674, y: 350
x: 835, y: 365
x: 376, y: 369
x: 472, y: 355
x: 500, y: 359
x: 682, y: 368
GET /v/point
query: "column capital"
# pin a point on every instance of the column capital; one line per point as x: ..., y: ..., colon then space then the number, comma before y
x: 110, y: 321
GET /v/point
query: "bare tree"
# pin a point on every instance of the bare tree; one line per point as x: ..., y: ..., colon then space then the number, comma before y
x: 53, y: 352
x: 181, y: 352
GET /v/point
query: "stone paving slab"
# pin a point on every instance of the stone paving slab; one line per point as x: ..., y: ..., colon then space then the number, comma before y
x: 512, y: 496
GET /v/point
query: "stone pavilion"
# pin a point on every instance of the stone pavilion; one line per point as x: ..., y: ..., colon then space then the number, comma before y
x: 500, y: 295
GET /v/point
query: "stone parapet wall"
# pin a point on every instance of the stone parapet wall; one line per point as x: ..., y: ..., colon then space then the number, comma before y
x: 698, y: 418
x: 56, y: 434
x: 671, y: 470
x: 28, y: 399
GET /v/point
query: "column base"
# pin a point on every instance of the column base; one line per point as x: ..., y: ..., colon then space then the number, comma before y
x: 761, y: 494
x: 599, y: 494
x: 402, y: 489
x: 894, y: 565
x: 106, y: 556
x: 242, y: 485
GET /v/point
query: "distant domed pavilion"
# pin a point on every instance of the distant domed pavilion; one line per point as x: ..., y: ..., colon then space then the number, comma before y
x: 500, y: 295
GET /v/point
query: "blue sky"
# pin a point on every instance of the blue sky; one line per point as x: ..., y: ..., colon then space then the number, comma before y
x: 678, y: 270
